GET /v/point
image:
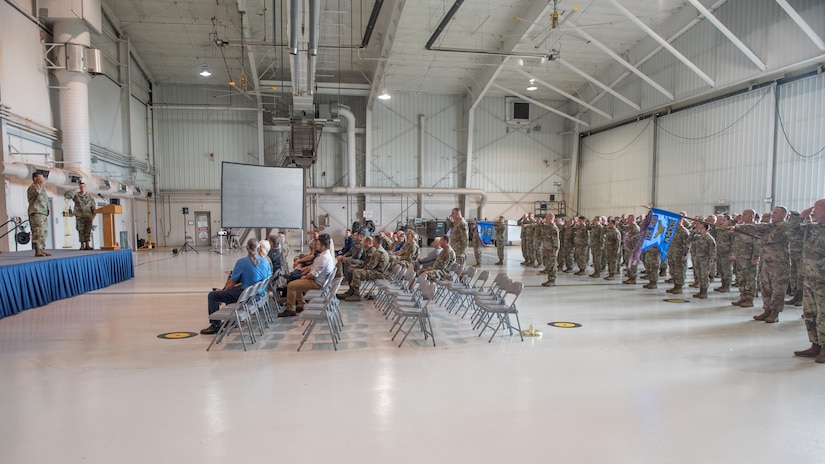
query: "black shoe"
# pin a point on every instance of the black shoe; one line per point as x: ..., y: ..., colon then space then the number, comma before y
x: 211, y: 330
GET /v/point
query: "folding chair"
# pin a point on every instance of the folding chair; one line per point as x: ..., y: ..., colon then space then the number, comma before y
x: 417, y: 314
x: 463, y: 297
x: 233, y: 315
x: 503, y: 310
x: 316, y: 312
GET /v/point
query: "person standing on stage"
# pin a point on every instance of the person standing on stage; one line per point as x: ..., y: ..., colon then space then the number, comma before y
x: 38, y: 213
x: 84, y: 212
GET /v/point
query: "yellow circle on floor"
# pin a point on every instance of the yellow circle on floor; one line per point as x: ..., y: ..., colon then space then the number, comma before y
x: 176, y: 335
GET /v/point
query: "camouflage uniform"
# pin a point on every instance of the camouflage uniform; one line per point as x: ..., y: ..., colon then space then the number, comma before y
x: 676, y: 254
x: 813, y: 281
x: 652, y: 258
x: 442, y: 264
x: 702, y: 252
x: 476, y: 241
x: 550, y: 249
x: 459, y: 239
x: 581, y: 241
x: 724, y: 248
x: 630, y: 238
x: 774, y: 264
x: 386, y: 243
x: 612, y: 250
x: 596, y: 247
x: 566, y: 257
x: 795, y: 274
x: 355, y: 255
x: 38, y: 216
x: 84, y: 212
x: 500, y: 229
x: 745, y: 252
x: 408, y: 253
x: 525, y: 245
x: 375, y: 268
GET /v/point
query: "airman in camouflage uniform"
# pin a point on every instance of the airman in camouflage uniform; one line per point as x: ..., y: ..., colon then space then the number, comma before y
x: 612, y: 249
x: 630, y: 238
x: 746, y: 257
x: 476, y: 241
x: 724, y: 250
x: 500, y: 229
x: 596, y: 245
x: 581, y: 242
x: 550, y: 247
x: 408, y: 253
x: 84, y: 212
x: 443, y: 262
x: 38, y: 213
x: 652, y: 258
x: 795, y: 243
x: 458, y: 236
x: 354, y: 257
x: 813, y: 281
x: 566, y: 250
x: 535, y: 231
x: 774, y: 260
x: 677, y: 258
x: 374, y: 269
x: 702, y: 252
x: 525, y: 221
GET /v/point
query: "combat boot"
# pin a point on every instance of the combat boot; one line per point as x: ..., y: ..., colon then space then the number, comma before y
x: 703, y: 293
x: 746, y: 303
x: 772, y: 317
x: 694, y: 285
x: 669, y: 281
x: 821, y: 358
x: 580, y: 272
x: 343, y: 296
x: 356, y: 295
x: 595, y: 275
x: 763, y: 316
x: 629, y: 282
x: 677, y: 289
x: 610, y: 277
x: 651, y: 285
x: 738, y: 302
x: 499, y: 263
x: 549, y: 283
x: 811, y: 352
x: 798, y: 301
x: 725, y: 288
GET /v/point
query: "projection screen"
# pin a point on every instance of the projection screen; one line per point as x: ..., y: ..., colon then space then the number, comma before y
x: 261, y: 196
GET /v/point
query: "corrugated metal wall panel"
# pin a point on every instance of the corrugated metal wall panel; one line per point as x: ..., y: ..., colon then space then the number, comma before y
x: 193, y: 143
x: 507, y: 158
x: 105, y: 122
x: 800, y: 160
x: 717, y: 151
x: 139, y: 131
x: 616, y: 170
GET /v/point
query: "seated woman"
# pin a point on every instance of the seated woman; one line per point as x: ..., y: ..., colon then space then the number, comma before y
x: 247, y: 271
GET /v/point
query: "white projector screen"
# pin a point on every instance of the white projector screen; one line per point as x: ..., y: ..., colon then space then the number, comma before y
x: 261, y: 196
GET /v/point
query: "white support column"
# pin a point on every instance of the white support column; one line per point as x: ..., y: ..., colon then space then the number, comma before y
x: 74, y: 98
x: 727, y: 33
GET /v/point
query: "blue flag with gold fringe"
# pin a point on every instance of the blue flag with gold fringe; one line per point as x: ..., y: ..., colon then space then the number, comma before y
x: 661, y: 227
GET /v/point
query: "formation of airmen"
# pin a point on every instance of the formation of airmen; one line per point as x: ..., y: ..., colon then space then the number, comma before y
x: 781, y: 252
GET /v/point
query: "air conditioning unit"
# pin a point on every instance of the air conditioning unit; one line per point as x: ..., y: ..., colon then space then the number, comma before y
x: 518, y: 111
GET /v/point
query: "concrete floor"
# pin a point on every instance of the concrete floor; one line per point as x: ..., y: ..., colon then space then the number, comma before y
x: 86, y: 380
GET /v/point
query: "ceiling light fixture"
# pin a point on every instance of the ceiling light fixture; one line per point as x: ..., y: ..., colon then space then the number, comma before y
x: 532, y: 86
x: 205, y: 71
x: 384, y: 95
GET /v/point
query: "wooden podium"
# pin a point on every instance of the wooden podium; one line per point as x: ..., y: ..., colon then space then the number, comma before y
x: 109, y: 239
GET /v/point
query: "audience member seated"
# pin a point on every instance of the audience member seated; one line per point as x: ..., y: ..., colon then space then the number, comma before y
x: 247, y: 271
x: 274, y: 254
x: 374, y: 269
x: 348, y: 243
x: 427, y: 261
x: 353, y: 256
x: 409, y: 252
x: 316, y: 276
x: 443, y: 262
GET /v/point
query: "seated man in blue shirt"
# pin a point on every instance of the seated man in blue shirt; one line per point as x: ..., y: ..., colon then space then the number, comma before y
x: 248, y: 270
x: 348, y: 243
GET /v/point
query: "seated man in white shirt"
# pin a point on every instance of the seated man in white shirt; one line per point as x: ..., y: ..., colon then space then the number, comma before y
x: 313, y: 278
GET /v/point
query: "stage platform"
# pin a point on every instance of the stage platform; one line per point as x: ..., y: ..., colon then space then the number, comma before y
x: 28, y: 282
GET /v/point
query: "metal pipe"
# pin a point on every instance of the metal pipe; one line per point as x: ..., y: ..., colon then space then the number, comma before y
x: 376, y: 10
x: 314, y: 16
x: 344, y: 111
x: 294, y: 20
x: 443, y: 24
x: 404, y: 191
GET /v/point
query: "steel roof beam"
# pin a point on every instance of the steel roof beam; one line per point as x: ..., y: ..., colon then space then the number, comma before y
x: 806, y: 28
x: 730, y: 35
x: 559, y: 91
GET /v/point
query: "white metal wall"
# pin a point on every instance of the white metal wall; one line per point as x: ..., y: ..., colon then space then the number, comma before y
x: 800, y: 160
x: 192, y: 144
x: 105, y: 110
x: 616, y: 170
x: 720, y: 152
x: 517, y: 159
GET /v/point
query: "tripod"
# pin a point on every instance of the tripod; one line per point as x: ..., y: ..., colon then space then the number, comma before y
x: 186, y: 246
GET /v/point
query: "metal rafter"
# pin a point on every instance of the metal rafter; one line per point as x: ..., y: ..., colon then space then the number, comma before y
x: 559, y: 91
x: 664, y: 43
x: 540, y: 104
x: 599, y: 83
x: 253, y: 64
x: 806, y: 28
x: 621, y: 60
x: 386, y: 48
x: 730, y: 35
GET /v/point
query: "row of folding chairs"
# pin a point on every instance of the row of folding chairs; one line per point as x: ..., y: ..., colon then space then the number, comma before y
x: 406, y: 300
x: 253, y: 305
x: 493, y: 306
